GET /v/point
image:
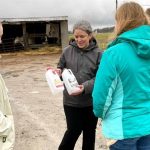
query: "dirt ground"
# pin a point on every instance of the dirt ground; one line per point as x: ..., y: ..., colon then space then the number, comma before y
x: 38, y: 115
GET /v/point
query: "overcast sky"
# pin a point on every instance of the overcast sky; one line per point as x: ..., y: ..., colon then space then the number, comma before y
x: 98, y: 12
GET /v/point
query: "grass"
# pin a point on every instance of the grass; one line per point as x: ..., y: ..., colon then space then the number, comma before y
x: 40, y: 51
x: 103, y: 39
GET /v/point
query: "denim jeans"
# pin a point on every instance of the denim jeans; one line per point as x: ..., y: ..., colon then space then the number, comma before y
x: 141, y: 143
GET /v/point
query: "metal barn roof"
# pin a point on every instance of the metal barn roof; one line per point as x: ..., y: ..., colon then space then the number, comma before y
x: 33, y: 19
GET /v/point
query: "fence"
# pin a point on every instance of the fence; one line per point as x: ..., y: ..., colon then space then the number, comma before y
x: 8, y: 45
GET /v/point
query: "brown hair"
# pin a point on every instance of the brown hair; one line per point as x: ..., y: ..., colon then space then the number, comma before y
x: 148, y: 12
x: 128, y: 16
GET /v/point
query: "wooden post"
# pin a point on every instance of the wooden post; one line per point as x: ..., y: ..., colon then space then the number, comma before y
x: 25, y: 35
x: 64, y: 33
x: 116, y: 4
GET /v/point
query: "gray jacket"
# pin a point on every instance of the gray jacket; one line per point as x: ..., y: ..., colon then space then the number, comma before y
x: 84, y: 65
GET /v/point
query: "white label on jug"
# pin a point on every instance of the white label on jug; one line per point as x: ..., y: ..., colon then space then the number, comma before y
x: 58, y: 83
x: 70, y: 81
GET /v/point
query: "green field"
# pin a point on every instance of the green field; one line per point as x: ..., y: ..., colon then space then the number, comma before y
x: 102, y: 38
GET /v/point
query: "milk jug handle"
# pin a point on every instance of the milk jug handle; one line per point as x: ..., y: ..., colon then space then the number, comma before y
x: 69, y: 70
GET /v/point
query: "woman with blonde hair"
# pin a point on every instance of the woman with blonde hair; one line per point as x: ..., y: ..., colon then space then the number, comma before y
x: 121, y: 95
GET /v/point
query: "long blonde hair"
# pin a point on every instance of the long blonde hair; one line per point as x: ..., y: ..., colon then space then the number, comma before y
x: 148, y: 11
x: 128, y: 16
x: 148, y: 14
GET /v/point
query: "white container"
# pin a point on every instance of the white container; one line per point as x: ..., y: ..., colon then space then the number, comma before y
x: 70, y: 81
x: 54, y: 82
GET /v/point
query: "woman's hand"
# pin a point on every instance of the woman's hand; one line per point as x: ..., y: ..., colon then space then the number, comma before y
x: 79, y: 91
x: 56, y: 70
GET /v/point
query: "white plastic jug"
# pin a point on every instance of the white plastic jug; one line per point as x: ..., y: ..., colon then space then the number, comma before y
x: 54, y: 82
x: 70, y: 81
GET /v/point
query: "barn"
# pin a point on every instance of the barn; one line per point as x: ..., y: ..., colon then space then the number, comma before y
x: 25, y: 33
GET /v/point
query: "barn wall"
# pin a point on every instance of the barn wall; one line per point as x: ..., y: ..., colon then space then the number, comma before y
x: 64, y: 33
x: 28, y: 34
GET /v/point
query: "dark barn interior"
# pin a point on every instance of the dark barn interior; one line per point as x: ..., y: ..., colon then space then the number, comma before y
x: 8, y: 38
x: 20, y: 36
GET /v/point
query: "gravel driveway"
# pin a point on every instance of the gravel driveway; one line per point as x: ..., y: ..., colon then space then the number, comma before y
x: 38, y: 115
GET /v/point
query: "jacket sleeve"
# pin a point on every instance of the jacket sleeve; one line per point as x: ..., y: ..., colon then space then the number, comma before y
x: 62, y: 62
x: 89, y: 84
x: 104, y: 85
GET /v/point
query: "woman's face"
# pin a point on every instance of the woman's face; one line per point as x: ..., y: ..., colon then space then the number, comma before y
x: 82, y: 38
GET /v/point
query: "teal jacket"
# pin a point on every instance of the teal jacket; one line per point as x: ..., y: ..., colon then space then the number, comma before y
x: 121, y: 95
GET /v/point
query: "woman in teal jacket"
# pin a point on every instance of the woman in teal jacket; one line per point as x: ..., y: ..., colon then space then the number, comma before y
x: 121, y: 96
